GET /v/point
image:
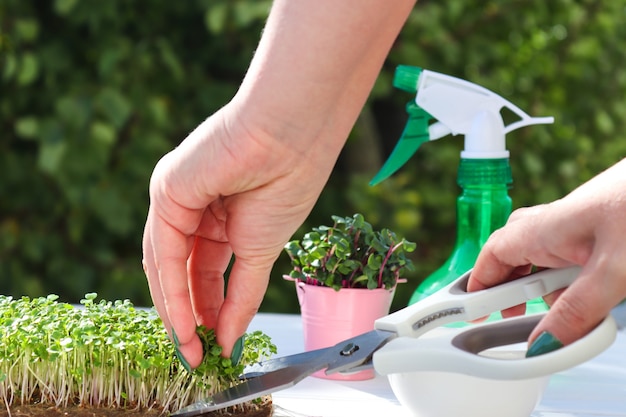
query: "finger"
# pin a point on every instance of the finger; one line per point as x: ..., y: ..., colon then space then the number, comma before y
x: 171, y: 249
x: 207, y: 264
x: 584, y: 304
x: 518, y: 310
x: 490, y: 270
x: 503, y: 257
x: 499, y: 273
x: 152, y: 275
x: 525, y: 212
x: 246, y: 286
x: 551, y: 298
x: 505, y: 274
x: 510, y: 252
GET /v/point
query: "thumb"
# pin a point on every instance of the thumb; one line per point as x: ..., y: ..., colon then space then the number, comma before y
x: 577, y: 311
x: 247, y: 284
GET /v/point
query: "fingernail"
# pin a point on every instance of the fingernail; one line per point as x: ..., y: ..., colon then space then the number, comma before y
x: 545, y: 343
x: 235, y: 356
x: 179, y: 355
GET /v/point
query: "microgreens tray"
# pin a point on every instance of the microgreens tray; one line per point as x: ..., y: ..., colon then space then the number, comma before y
x: 107, y: 354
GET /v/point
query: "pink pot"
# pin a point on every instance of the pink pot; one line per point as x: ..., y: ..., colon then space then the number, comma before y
x: 329, y: 317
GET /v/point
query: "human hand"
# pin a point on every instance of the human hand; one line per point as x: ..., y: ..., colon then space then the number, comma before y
x: 248, y: 176
x: 584, y: 228
x: 223, y: 191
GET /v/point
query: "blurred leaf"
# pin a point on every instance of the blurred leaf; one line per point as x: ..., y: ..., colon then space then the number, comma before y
x: 10, y: 66
x: 28, y: 69
x: 27, y: 127
x: 73, y: 111
x: 170, y: 58
x: 64, y: 7
x: 604, y: 122
x: 114, y: 106
x: 158, y: 110
x: 26, y: 29
x: 215, y: 18
x: 50, y: 156
x: 111, y: 209
x: 110, y: 59
x: 103, y: 133
x: 249, y: 11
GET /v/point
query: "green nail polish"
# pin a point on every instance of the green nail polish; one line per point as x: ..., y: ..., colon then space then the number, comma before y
x: 175, y: 339
x: 235, y: 356
x: 545, y: 343
x: 179, y: 355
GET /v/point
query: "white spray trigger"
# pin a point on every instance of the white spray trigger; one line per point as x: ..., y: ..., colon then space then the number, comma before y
x: 465, y: 108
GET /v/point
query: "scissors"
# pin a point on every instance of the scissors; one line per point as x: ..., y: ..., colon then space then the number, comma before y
x: 451, y: 304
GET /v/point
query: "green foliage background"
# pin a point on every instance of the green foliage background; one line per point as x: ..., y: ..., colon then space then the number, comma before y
x: 93, y: 93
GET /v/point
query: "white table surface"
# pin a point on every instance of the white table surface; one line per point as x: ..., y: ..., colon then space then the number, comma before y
x: 594, y: 389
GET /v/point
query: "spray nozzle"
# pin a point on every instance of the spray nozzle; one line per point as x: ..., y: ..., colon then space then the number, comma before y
x: 458, y: 107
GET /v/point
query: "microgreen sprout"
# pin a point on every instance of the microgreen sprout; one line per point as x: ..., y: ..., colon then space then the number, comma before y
x: 105, y: 354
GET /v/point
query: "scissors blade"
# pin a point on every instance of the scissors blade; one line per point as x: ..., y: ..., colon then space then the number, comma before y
x: 250, y: 389
x: 280, y: 373
x: 260, y: 368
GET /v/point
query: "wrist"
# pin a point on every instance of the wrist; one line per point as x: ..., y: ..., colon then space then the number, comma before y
x: 291, y: 134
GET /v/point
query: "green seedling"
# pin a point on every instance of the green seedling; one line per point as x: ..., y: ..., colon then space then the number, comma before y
x: 105, y: 354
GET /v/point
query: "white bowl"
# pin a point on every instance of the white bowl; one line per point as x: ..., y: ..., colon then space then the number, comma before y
x: 445, y: 394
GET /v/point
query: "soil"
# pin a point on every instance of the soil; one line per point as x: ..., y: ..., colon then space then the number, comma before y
x: 265, y: 409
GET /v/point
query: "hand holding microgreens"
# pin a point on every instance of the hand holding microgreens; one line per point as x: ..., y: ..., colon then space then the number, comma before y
x: 106, y: 354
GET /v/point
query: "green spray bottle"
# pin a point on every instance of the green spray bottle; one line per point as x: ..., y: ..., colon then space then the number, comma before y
x: 447, y: 105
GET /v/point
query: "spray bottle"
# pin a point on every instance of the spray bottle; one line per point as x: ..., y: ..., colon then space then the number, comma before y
x: 447, y: 105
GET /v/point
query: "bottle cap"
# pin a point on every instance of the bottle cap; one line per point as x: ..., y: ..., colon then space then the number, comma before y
x: 484, y: 172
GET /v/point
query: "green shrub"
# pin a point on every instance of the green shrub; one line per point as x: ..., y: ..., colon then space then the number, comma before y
x: 93, y: 93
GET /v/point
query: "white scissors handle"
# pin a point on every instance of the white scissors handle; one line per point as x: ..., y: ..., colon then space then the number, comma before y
x: 461, y: 351
x: 453, y: 303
